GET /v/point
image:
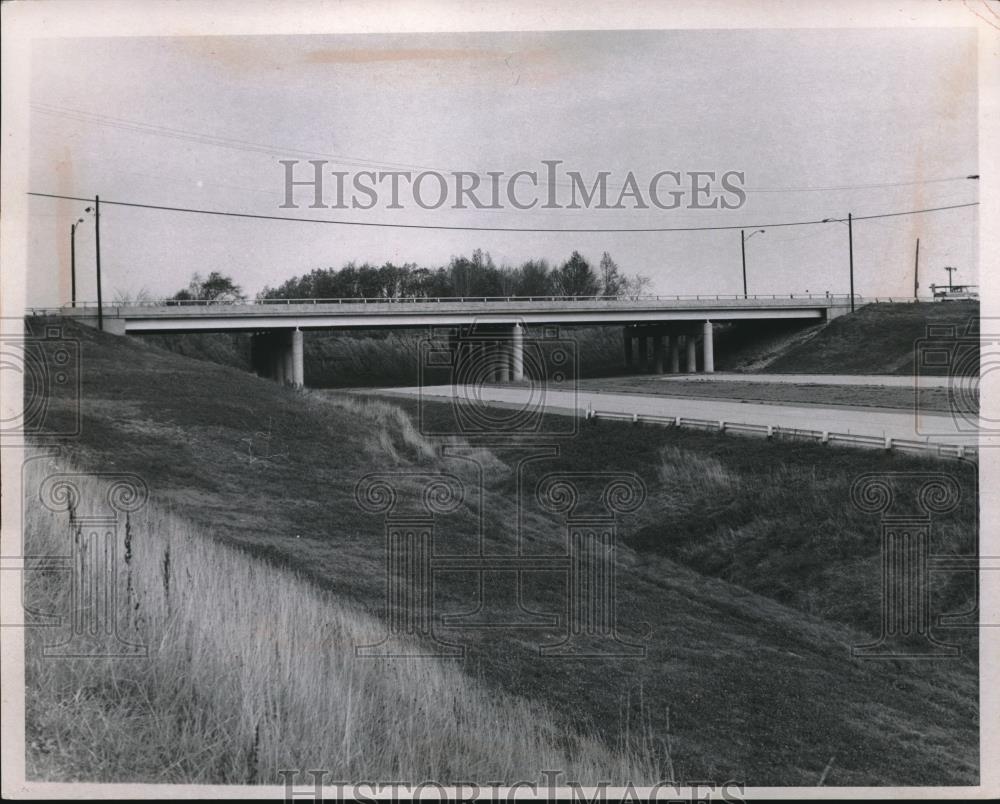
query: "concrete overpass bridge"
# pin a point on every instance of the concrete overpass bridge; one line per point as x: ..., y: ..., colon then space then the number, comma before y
x: 656, y: 329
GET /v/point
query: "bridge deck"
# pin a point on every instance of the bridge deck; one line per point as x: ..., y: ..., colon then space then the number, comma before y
x: 362, y: 313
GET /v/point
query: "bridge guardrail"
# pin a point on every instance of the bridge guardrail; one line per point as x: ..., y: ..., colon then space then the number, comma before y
x: 234, y: 307
x: 831, y: 297
x: 770, y: 431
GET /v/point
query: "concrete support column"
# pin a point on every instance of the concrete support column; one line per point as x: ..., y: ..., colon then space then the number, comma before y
x: 708, y: 348
x: 643, y: 353
x: 675, y: 354
x: 517, y: 353
x: 498, y: 361
x: 628, y: 347
x: 692, y: 353
x: 505, y: 351
x: 298, y: 360
x: 658, y: 351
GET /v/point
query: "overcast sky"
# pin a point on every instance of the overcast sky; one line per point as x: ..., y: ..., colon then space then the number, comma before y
x: 140, y: 120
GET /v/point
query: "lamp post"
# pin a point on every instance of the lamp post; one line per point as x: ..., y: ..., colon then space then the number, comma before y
x: 743, y: 249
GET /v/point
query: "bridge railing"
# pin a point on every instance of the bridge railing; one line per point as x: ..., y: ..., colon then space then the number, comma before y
x: 833, y: 298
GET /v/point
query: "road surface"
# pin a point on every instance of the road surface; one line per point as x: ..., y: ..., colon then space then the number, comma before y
x: 938, y: 428
x: 884, y: 380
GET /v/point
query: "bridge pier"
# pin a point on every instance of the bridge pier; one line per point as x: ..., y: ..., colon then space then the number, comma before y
x: 278, y: 355
x: 675, y: 353
x: 517, y: 353
x: 692, y: 352
x: 489, y: 354
x: 643, y: 353
x: 707, y: 348
x: 627, y: 338
x: 658, y: 353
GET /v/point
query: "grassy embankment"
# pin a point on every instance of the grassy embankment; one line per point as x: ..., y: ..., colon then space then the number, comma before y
x: 876, y: 339
x: 251, y: 670
x: 748, y: 582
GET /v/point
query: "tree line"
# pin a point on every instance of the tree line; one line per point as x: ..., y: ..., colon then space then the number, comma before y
x: 474, y: 276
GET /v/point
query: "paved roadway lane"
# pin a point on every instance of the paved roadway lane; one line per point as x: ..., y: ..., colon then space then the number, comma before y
x: 885, y: 380
x: 935, y: 427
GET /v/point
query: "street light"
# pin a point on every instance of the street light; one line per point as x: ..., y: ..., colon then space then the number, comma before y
x: 850, y: 248
x: 743, y: 249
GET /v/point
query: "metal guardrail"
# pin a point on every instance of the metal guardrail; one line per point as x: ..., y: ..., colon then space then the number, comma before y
x: 833, y: 298
x: 234, y: 307
x: 771, y: 431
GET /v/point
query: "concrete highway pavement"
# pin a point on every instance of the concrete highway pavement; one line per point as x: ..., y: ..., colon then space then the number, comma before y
x: 884, y: 380
x: 936, y: 427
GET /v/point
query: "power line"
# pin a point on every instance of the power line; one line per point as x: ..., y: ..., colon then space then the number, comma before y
x: 852, y: 186
x: 356, y: 161
x: 383, y: 225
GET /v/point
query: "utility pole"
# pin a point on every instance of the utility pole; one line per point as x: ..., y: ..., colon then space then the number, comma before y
x: 97, y: 245
x: 950, y: 270
x: 850, y: 247
x: 916, y: 269
x: 743, y: 249
x: 72, y: 263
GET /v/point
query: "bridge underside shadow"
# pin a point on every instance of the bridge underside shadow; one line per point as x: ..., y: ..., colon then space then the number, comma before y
x: 278, y: 355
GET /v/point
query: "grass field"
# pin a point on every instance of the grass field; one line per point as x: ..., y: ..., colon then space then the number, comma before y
x: 747, y: 573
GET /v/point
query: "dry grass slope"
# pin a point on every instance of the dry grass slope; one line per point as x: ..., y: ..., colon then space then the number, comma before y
x: 252, y: 669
